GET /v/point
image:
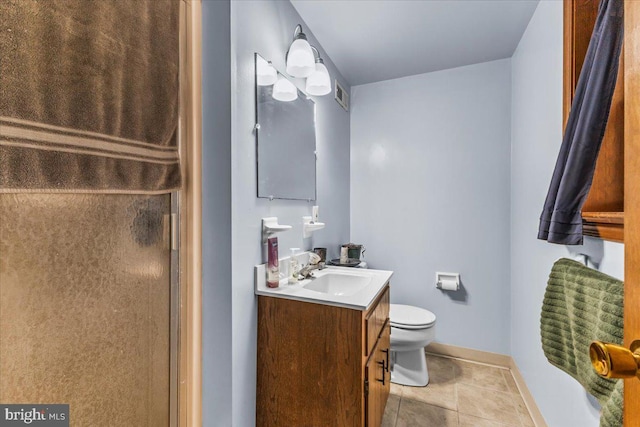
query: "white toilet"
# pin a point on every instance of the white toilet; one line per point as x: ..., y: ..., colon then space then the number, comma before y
x: 412, y: 328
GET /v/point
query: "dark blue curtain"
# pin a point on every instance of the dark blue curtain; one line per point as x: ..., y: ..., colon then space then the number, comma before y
x: 561, y: 219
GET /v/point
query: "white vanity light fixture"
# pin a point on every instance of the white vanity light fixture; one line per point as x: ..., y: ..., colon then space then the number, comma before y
x: 299, y: 57
x: 284, y: 90
x: 265, y: 71
x: 318, y: 83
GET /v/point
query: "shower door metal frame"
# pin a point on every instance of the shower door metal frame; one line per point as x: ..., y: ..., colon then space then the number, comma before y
x: 174, y: 340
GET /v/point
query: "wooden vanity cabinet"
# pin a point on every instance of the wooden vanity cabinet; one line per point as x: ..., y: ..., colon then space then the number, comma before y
x: 321, y: 365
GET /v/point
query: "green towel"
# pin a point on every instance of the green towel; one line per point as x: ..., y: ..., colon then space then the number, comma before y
x: 582, y: 305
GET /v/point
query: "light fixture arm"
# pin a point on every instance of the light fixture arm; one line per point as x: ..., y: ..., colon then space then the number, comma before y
x: 298, y: 34
x: 316, y: 55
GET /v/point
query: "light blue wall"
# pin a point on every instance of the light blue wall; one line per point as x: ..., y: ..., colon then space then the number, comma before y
x: 216, y: 213
x: 424, y: 152
x: 430, y: 192
x: 266, y: 27
x: 536, y: 137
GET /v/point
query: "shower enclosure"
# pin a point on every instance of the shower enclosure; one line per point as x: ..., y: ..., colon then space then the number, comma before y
x: 100, y: 291
x: 88, y: 306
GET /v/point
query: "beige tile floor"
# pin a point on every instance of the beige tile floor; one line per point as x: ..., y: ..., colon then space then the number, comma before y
x: 459, y: 394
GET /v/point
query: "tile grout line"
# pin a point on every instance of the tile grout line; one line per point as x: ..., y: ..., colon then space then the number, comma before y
x: 499, y: 361
x: 502, y: 373
x: 455, y: 394
x: 457, y: 376
x: 398, y: 409
x: 515, y: 405
x: 523, y: 401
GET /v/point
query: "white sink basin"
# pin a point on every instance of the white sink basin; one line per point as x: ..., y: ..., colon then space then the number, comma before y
x: 354, y: 288
x: 334, y: 283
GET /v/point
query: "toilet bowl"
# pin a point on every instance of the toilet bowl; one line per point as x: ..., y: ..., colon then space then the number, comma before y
x: 412, y: 328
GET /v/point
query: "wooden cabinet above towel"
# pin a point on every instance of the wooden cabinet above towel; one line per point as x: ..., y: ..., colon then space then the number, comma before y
x: 603, y: 211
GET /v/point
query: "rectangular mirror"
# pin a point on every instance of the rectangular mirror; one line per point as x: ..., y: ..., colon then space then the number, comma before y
x: 285, y: 136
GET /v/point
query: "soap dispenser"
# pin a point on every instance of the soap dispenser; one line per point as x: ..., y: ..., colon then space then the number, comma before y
x: 293, y: 266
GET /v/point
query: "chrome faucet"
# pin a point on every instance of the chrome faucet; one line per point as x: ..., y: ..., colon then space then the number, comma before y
x: 307, y: 271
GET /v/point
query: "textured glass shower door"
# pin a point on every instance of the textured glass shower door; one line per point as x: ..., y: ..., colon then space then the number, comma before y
x: 85, y: 306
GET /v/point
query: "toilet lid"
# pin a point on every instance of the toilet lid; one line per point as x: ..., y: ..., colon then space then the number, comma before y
x: 410, y: 317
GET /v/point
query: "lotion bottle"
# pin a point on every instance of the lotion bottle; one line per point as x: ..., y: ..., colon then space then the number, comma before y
x: 273, y: 271
x: 293, y: 266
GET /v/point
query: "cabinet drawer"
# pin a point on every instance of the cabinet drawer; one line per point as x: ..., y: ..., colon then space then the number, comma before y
x: 375, y: 320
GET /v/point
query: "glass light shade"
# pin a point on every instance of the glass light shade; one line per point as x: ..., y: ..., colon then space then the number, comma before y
x: 300, y: 60
x: 266, y: 73
x: 319, y: 83
x: 284, y: 90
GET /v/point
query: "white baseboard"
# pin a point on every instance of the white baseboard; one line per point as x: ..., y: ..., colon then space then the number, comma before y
x: 495, y: 359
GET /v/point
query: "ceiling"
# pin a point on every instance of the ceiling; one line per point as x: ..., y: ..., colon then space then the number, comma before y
x: 374, y: 40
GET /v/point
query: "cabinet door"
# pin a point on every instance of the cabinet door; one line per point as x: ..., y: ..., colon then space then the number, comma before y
x: 378, y: 379
x: 603, y: 210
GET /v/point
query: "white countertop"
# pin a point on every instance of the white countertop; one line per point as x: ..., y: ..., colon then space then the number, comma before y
x: 360, y: 300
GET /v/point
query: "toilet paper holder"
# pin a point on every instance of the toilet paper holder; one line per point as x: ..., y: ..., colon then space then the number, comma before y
x: 448, y: 281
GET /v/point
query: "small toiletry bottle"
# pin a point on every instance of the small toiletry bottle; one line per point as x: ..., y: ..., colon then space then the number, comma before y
x: 293, y: 266
x: 273, y: 272
x: 344, y: 254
